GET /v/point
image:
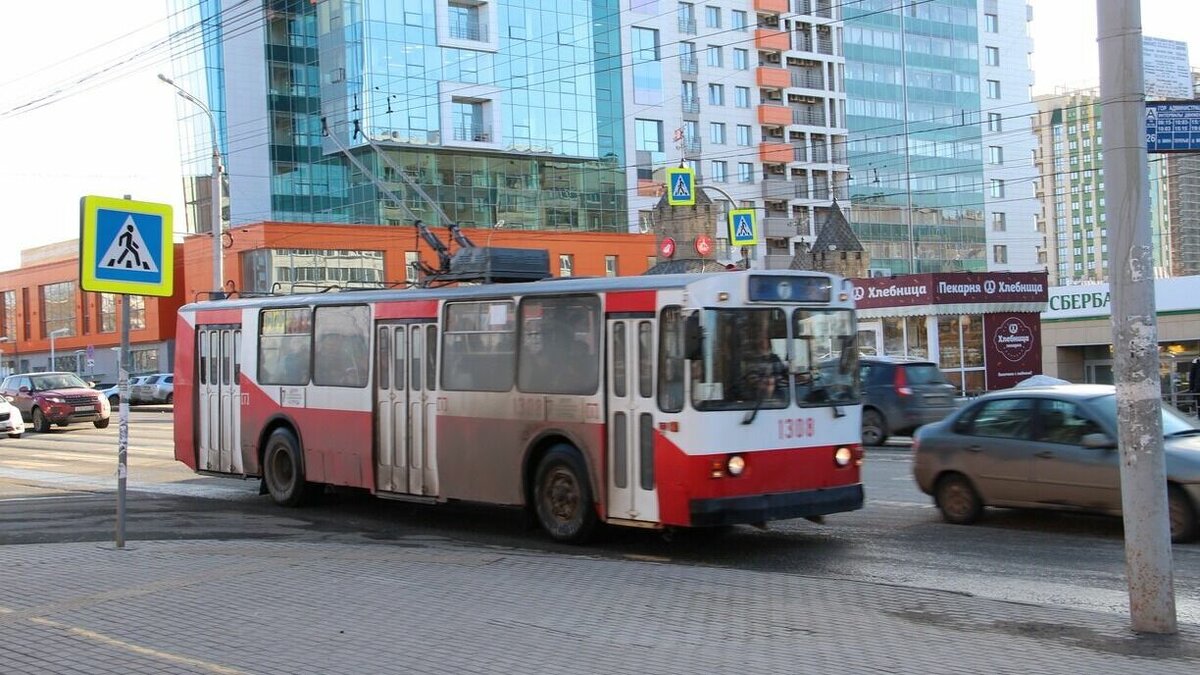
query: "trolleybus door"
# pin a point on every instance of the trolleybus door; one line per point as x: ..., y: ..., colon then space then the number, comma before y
x: 220, y: 399
x: 404, y: 403
x: 632, y: 486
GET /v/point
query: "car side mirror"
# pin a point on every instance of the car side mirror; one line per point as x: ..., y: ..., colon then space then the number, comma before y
x: 1098, y: 441
x: 693, y: 338
x: 24, y: 390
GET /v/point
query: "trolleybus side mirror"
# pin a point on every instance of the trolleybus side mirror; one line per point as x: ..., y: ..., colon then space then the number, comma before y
x: 693, y: 338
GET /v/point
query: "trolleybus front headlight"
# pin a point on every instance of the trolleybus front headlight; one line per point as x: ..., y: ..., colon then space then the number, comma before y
x: 736, y: 465
x: 842, y: 456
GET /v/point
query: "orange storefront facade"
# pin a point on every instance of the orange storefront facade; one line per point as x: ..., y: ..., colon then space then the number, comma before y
x: 43, y: 295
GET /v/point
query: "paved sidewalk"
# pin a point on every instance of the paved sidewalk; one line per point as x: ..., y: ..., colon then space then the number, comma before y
x: 428, y: 605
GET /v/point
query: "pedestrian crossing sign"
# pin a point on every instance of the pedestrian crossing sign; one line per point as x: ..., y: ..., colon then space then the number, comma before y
x: 681, y: 187
x: 125, y: 247
x: 743, y: 227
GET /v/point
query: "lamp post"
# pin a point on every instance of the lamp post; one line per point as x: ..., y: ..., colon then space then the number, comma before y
x: 54, y: 334
x: 218, y: 272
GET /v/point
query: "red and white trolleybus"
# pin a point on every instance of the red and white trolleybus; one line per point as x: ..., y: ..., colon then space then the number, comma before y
x: 654, y: 401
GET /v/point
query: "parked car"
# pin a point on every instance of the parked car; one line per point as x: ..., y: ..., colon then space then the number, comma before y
x: 10, y: 419
x: 113, y: 392
x: 1047, y: 448
x: 55, y: 398
x: 157, y: 389
x: 900, y: 395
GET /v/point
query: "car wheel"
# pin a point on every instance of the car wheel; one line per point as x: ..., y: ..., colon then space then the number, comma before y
x: 170, y: 399
x: 563, y: 496
x: 14, y: 435
x: 957, y: 499
x: 114, y: 401
x: 874, y: 429
x: 283, y: 469
x: 40, y: 423
x: 1183, y: 515
x: 101, y: 424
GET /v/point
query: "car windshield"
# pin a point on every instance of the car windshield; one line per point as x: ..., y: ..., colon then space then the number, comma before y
x: 923, y: 373
x: 1172, y: 421
x: 57, y: 381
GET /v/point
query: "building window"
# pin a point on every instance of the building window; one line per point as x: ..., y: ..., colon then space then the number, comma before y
x: 992, y: 55
x: 743, y: 134
x: 58, y: 308
x: 712, y: 17
x: 995, y: 122
x: 467, y: 120
x: 411, y: 258
x: 995, y: 154
x: 465, y: 22
x: 566, y: 265
x: 716, y: 133
x: 719, y: 172
x: 999, y: 222
x: 745, y: 172
x: 993, y: 88
x: 991, y: 23
x: 648, y: 135
x: 137, y: 312
x: 997, y: 187
x: 9, y: 312
x: 741, y: 59
x: 715, y: 58
x: 738, y: 18
x: 610, y: 266
x: 716, y: 94
x: 741, y: 97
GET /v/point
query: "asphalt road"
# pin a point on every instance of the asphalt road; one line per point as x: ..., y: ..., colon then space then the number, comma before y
x: 60, y: 487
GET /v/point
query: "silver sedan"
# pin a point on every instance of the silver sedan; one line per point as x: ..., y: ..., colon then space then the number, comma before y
x: 1047, y: 448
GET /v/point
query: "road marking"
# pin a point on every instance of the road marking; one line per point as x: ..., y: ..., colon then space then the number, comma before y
x: 139, y: 649
x: 908, y: 505
x: 41, y: 498
x: 210, y: 490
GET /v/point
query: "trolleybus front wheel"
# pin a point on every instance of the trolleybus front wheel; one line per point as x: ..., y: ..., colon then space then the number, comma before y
x: 283, y: 470
x: 563, y: 496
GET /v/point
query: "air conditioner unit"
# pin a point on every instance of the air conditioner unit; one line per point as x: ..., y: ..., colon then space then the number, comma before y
x: 771, y: 57
x: 397, y: 136
x: 775, y: 168
x: 775, y: 132
x: 879, y: 272
x: 809, y: 99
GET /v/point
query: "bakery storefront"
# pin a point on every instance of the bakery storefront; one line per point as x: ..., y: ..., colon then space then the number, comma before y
x: 1077, y: 332
x: 982, y: 329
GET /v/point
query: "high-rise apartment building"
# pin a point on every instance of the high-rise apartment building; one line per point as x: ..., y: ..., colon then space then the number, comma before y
x: 750, y: 95
x: 941, y: 149
x: 506, y: 110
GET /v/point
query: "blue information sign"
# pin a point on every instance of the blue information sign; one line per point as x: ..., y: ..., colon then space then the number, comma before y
x: 1173, y: 126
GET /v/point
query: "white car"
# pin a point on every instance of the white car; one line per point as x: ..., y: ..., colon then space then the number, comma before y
x: 10, y: 419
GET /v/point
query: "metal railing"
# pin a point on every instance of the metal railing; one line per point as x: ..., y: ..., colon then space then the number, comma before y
x: 473, y: 134
x: 808, y: 79
x: 807, y: 116
x: 691, y: 146
x: 824, y: 44
x: 469, y: 30
x: 802, y: 41
x: 691, y: 105
x: 689, y: 64
x: 820, y: 154
x: 687, y: 25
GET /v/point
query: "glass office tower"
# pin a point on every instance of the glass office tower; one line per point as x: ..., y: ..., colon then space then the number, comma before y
x: 916, y: 151
x: 499, y: 110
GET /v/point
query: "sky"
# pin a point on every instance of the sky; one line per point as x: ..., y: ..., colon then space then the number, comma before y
x: 115, y: 134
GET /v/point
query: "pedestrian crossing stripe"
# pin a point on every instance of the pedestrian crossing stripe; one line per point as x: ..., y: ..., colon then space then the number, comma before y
x: 681, y: 187
x: 126, y: 247
x: 128, y: 250
x: 743, y: 229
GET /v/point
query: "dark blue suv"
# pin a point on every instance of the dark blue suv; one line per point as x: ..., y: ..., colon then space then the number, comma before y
x: 900, y: 395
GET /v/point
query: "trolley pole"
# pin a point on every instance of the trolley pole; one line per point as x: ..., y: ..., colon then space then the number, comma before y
x: 1135, y: 328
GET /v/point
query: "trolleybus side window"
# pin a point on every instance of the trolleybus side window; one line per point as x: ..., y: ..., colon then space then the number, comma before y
x: 670, y: 359
x: 645, y: 359
x: 478, y: 344
x: 342, y: 355
x: 383, y: 358
x: 431, y: 343
x: 284, y: 346
x: 560, y: 340
x: 619, y: 363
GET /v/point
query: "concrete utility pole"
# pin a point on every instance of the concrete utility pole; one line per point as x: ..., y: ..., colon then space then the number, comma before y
x: 1135, y: 325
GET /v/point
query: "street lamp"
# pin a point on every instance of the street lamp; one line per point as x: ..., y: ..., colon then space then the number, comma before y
x: 54, y: 334
x: 218, y: 273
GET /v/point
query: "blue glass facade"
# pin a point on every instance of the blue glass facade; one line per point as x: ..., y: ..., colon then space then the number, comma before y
x: 913, y: 112
x: 500, y: 110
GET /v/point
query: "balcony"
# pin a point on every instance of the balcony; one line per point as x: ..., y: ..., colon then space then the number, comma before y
x: 687, y: 25
x: 690, y: 146
x: 776, y: 115
x: 800, y: 153
x: 469, y: 30
x: 824, y: 43
x: 824, y: 9
x: 779, y: 227
x: 775, y: 6
x: 688, y: 65
x: 473, y: 134
x: 772, y: 40
x: 691, y: 105
x: 803, y: 41
x: 808, y: 79
x: 778, y: 188
x: 780, y: 153
x: 774, y: 261
x: 809, y: 116
x: 774, y: 78
x: 819, y: 154
x: 804, y: 6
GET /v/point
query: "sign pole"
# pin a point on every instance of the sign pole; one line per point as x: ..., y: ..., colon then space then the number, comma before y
x: 1148, y: 562
x: 123, y: 421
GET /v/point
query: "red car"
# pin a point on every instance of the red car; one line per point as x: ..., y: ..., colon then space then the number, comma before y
x: 55, y: 398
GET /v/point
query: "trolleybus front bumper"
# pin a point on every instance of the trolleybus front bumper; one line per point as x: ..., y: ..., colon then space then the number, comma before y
x: 779, y: 506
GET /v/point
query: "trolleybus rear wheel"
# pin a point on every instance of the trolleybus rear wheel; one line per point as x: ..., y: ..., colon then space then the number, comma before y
x: 283, y: 469
x: 563, y: 496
